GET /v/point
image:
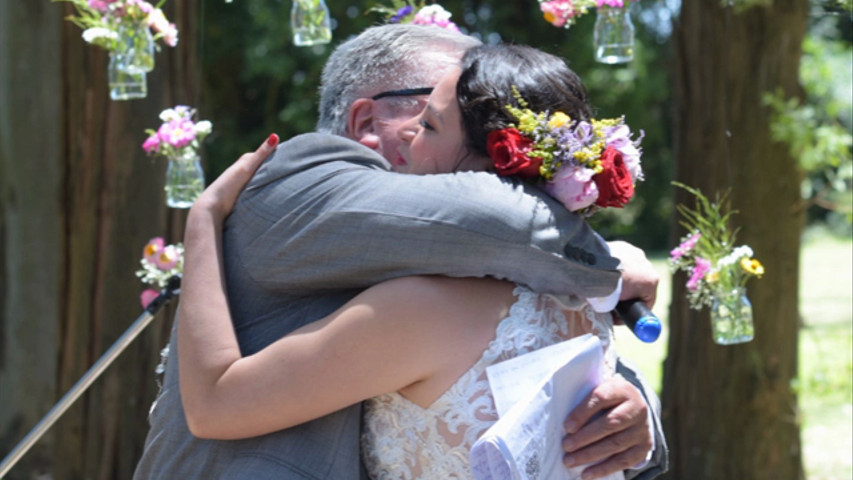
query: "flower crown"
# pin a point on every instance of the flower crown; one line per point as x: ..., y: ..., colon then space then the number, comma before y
x: 564, y: 13
x: 585, y: 165
x: 418, y: 13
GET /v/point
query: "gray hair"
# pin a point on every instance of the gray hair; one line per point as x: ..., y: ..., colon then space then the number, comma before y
x: 385, y: 57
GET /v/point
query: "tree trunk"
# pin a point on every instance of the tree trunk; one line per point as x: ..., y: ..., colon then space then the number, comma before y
x: 78, y: 201
x: 729, y: 411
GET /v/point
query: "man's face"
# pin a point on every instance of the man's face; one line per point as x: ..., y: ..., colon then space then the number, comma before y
x: 392, y: 112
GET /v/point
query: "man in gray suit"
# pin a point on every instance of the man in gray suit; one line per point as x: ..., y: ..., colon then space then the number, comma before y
x: 325, y: 218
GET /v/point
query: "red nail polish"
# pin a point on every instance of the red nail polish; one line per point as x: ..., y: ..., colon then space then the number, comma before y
x: 272, y: 139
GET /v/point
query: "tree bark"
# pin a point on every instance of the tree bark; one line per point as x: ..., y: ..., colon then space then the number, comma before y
x: 78, y: 201
x: 730, y: 411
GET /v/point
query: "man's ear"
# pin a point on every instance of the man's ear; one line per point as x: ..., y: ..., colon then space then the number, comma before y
x: 360, y: 123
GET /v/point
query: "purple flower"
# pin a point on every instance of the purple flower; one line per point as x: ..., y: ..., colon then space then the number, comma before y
x: 401, y: 14
x: 584, y: 133
x: 619, y: 137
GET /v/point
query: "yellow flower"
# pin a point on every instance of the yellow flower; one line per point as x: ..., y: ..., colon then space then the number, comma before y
x: 713, y: 276
x: 151, y: 249
x: 752, y: 266
x: 558, y: 120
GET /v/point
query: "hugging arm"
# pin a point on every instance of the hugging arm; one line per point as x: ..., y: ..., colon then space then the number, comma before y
x: 322, y: 367
x: 327, y: 214
x: 321, y: 223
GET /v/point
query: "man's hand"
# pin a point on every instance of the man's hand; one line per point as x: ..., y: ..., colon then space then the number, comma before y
x: 639, y: 277
x: 609, y: 429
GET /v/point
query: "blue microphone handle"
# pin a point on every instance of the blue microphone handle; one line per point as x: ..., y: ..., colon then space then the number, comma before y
x: 637, y: 316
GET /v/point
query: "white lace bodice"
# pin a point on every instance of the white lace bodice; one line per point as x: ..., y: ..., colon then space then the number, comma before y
x: 402, y: 440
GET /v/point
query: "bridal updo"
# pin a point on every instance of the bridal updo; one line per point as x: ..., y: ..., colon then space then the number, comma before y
x: 485, y: 88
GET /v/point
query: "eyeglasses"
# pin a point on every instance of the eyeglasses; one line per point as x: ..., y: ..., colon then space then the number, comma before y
x: 406, y: 92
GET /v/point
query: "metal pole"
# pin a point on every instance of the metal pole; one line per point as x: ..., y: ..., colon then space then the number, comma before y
x: 171, y: 290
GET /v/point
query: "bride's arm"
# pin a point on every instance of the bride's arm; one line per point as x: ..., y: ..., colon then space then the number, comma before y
x: 354, y: 354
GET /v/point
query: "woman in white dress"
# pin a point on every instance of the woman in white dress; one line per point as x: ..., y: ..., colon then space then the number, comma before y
x: 416, y: 347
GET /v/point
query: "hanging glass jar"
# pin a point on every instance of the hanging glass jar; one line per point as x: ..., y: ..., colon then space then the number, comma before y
x: 731, y: 317
x: 132, y: 58
x: 184, y: 179
x: 124, y: 85
x: 310, y: 22
x: 613, y: 35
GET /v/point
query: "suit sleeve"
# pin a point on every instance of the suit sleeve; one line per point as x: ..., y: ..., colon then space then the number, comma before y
x: 659, y: 461
x: 328, y: 215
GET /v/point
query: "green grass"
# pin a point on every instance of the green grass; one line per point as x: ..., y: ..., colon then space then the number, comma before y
x: 825, y: 381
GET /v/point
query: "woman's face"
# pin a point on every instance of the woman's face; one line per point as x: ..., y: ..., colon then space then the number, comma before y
x: 432, y: 142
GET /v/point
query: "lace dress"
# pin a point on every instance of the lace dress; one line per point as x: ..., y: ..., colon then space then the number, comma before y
x: 402, y: 440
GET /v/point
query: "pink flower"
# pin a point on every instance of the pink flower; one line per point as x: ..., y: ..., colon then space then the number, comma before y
x: 157, y: 21
x: 170, y: 35
x: 435, y: 15
x: 177, y: 133
x: 609, y: 3
x: 144, y: 6
x: 699, y: 270
x: 167, y: 258
x: 558, y: 12
x: 101, y: 5
x: 152, y: 249
x: 151, y: 144
x: 573, y: 187
x: 147, y: 296
x: 685, y: 247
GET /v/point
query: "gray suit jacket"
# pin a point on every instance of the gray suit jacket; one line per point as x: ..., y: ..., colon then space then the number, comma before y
x: 323, y: 219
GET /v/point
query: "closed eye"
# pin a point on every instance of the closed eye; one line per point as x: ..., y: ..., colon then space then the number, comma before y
x: 426, y: 125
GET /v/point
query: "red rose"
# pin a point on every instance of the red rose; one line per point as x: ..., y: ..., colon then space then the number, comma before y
x: 508, y: 149
x: 615, y: 186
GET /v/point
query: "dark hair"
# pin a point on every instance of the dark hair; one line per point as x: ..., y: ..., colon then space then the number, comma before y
x: 485, y: 88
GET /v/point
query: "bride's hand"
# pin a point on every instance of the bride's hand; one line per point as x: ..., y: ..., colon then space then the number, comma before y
x: 221, y: 195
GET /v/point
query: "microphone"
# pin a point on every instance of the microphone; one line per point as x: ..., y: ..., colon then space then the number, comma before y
x: 637, y: 316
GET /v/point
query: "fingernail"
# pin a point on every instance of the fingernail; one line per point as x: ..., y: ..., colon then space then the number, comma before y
x: 569, y: 461
x: 272, y: 139
x: 570, y: 426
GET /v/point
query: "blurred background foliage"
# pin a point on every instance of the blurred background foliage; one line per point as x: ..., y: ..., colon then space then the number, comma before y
x: 255, y: 81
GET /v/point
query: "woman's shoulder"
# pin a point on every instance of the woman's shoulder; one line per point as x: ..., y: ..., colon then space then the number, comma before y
x: 451, y: 291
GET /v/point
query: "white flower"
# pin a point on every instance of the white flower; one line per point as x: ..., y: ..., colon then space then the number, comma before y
x: 96, y: 34
x: 203, y: 128
x: 177, y: 113
x: 434, y: 12
x: 169, y: 114
x: 157, y: 20
x: 735, y: 256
